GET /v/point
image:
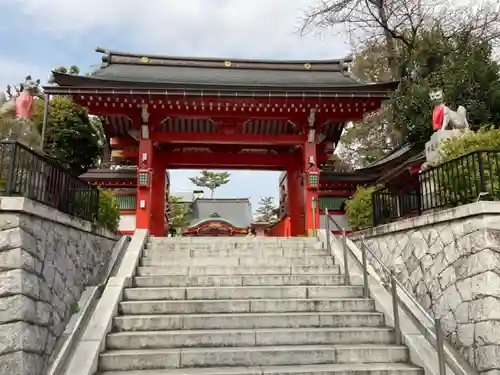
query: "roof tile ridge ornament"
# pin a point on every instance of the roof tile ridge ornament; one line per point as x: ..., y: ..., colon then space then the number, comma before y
x: 346, y: 67
x: 106, y: 59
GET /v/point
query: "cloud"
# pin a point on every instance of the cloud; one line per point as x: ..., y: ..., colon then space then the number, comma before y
x: 13, y: 71
x: 65, y: 32
x: 240, y: 28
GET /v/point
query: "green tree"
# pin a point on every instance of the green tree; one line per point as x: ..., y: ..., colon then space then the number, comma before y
x: 359, y: 208
x: 178, y: 213
x: 211, y: 180
x: 73, y: 70
x: 464, y: 68
x: 408, y: 41
x: 109, y: 211
x: 366, y: 141
x: 70, y: 136
x: 266, y: 211
x: 396, y: 25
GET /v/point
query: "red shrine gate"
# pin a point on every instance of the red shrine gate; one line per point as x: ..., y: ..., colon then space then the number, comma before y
x: 171, y: 113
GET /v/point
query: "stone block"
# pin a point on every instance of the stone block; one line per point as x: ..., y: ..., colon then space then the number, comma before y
x: 465, y: 334
x: 43, y: 313
x: 17, y: 307
x: 50, y: 344
x: 9, y: 221
x: 482, y: 261
x: 488, y: 358
x: 22, y: 336
x: 58, y: 288
x: 45, y: 292
x: 16, y: 237
x: 19, y: 258
x: 488, y: 333
x: 487, y: 308
x: 48, y: 273
x: 21, y: 363
x: 19, y: 282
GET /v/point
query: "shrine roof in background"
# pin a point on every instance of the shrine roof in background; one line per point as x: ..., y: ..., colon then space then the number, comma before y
x: 236, y: 211
x: 152, y: 73
x: 106, y: 174
x: 356, y: 176
x: 395, y: 174
x: 393, y: 160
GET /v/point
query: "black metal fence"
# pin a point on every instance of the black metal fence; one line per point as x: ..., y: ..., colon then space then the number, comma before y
x: 26, y: 173
x: 466, y: 179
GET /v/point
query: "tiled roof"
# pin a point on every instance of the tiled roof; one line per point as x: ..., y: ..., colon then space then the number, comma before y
x: 122, y: 69
x: 237, y: 211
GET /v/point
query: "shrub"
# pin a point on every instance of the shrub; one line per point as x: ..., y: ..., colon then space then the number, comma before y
x: 359, y: 208
x: 109, y: 211
x: 459, y: 179
x: 485, y: 137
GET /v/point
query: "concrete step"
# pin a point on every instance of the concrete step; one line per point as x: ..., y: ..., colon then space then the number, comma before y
x: 146, y: 359
x: 329, y: 369
x: 242, y: 292
x: 231, y: 280
x: 248, y: 337
x: 247, y: 321
x: 237, y: 252
x: 245, y: 306
x: 232, y: 243
x: 235, y: 261
x: 238, y: 271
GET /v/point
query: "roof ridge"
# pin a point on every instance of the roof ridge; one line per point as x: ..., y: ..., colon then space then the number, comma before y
x: 127, y: 58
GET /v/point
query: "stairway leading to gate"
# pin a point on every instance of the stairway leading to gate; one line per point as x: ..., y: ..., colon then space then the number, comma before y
x: 247, y: 306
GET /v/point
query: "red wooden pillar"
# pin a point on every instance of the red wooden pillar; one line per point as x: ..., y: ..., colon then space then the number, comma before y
x: 295, y: 200
x: 309, y: 190
x: 144, y: 185
x: 158, y: 199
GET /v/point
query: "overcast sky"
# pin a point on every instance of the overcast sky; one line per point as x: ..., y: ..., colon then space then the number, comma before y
x: 38, y: 35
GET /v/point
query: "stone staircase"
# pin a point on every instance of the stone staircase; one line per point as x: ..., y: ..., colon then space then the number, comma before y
x: 247, y: 306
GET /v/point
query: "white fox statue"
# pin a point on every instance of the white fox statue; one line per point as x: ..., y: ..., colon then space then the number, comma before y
x: 443, y: 118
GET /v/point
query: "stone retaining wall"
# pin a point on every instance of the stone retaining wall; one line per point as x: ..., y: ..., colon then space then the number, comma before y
x: 46, y: 260
x: 450, y: 260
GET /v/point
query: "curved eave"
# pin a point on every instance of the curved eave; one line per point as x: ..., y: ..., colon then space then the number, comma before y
x: 164, y: 78
x: 381, y: 91
x: 205, y: 222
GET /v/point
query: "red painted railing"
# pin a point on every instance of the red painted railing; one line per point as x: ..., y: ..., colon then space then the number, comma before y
x: 281, y: 229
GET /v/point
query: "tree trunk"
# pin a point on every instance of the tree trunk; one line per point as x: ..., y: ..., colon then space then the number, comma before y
x: 392, y: 57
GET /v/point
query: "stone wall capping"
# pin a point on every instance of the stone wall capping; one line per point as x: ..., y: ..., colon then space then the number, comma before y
x: 449, y: 261
x: 466, y: 211
x: 30, y: 207
x: 84, y: 359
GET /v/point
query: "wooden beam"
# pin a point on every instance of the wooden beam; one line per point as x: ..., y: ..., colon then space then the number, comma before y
x: 236, y: 139
x: 223, y: 160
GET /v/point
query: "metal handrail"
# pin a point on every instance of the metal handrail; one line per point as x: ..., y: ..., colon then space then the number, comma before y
x: 444, y: 358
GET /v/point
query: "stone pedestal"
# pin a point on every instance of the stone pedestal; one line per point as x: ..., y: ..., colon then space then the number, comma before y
x: 430, y: 198
x: 432, y: 146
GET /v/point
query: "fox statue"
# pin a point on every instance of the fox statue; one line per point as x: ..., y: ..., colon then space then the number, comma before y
x: 443, y: 118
